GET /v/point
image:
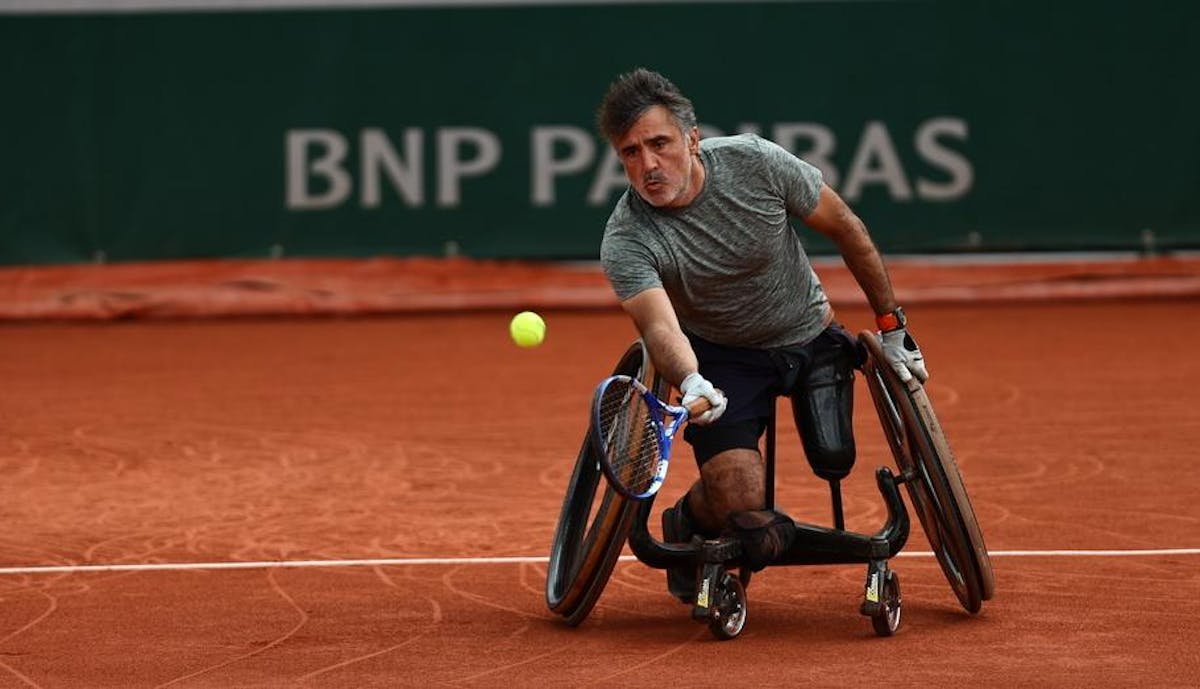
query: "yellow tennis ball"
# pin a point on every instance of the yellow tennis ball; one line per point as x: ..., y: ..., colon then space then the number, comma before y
x: 527, y: 329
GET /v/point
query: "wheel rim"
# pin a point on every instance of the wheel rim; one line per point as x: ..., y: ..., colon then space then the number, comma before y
x: 893, y: 605
x: 729, y: 611
x: 953, y: 535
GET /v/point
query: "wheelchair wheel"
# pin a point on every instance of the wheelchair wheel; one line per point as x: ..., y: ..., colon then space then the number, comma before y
x: 935, y: 486
x: 887, y: 620
x: 727, y: 614
x: 593, y: 524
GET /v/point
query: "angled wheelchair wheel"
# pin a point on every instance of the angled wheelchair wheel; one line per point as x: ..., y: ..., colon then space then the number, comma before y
x: 935, y: 486
x: 594, y: 521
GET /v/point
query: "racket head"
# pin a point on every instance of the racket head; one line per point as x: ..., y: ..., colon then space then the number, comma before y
x: 627, y: 431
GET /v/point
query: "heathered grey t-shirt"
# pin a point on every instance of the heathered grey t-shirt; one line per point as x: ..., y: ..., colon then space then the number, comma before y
x: 729, y: 261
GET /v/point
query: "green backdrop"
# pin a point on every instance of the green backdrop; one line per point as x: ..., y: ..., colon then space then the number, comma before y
x: 399, y: 130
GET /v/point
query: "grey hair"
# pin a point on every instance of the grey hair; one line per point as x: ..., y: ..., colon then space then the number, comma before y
x: 632, y: 94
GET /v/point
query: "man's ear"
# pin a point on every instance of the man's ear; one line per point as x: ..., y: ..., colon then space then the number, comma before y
x: 694, y: 140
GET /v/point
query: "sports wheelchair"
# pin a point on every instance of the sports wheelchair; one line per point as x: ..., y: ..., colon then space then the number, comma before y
x: 596, y: 521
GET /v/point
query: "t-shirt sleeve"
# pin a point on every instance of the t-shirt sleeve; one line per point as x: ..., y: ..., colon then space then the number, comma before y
x: 798, y: 182
x: 628, y: 263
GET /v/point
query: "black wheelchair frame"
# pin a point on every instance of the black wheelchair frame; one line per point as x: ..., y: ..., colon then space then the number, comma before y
x: 596, y: 521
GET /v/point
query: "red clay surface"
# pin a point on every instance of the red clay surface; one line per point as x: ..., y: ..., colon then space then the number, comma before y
x: 404, y: 285
x: 1075, y: 426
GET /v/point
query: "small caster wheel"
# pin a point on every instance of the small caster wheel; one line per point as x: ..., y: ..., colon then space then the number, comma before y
x: 886, y: 618
x: 727, y: 614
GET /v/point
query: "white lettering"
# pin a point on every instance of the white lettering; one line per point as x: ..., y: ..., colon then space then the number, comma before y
x: 452, y: 168
x: 328, y: 165
x: 376, y: 152
x: 962, y: 176
x: 317, y: 163
x: 581, y: 151
x: 876, y: 161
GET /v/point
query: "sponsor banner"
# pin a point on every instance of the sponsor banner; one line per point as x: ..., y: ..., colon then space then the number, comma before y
x: 153, y: 130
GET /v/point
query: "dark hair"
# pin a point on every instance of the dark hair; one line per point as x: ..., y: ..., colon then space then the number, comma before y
x: 632, y: 93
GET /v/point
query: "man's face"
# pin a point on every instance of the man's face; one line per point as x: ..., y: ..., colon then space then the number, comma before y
x: 660, y: 161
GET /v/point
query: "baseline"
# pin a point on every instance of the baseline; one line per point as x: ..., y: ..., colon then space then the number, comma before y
x: 529, y: 559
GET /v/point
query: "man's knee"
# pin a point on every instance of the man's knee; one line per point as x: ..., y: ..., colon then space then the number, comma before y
x: 733, y: 481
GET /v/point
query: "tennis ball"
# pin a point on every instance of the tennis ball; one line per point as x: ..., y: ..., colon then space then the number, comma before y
x: 527, y: 329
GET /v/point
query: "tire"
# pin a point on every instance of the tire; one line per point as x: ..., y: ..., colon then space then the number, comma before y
x: 934, y: 483
x: 593, y: 524
x: 727, y: 616
x: 887, y: 620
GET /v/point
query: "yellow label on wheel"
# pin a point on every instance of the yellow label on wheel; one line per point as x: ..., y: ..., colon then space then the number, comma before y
x: 873, y: 588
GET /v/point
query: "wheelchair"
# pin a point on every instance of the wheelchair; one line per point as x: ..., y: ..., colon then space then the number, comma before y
x: 596, y: 521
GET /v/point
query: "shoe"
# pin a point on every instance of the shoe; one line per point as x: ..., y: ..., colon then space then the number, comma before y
x: 681, y: 581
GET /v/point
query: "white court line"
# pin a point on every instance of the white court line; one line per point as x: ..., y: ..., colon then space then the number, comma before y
x: 411, y: 561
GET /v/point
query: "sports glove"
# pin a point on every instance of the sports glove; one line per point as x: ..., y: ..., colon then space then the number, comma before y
x: 903, y: 354
x: 693, y: 388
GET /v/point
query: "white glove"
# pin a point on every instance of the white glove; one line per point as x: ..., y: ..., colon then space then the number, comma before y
x: 902, y: 352
x: 693, y: 388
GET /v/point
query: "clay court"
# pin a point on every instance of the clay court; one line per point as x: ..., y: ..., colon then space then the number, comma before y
x: 369, y: 502
x: 262, y: 424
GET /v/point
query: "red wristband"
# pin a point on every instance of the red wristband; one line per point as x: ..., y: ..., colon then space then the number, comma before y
x: 891, y: 321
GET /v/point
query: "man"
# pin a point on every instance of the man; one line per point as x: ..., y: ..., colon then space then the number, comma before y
x: 700, y: 252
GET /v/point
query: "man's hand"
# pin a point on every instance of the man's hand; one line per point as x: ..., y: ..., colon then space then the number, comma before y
x: 904, y: 356
x: 693, y: 388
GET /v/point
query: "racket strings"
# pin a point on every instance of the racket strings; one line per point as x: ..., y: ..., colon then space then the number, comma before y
x: 631, y: 445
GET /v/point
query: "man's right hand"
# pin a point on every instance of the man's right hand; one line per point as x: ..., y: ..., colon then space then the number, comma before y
x: 693, y: 387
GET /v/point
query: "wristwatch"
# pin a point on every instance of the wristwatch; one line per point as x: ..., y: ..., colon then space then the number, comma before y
x: 891, y: 321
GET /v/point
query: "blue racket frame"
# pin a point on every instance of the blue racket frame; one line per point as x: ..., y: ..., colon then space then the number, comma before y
x: 666, y: 420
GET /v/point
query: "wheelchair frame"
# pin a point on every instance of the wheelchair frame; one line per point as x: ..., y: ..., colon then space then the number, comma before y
x: 593, y: 526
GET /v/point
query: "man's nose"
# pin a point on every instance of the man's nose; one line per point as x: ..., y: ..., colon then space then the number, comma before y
x: 649, y: 160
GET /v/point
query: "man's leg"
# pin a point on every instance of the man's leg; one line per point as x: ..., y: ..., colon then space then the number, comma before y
x: 730, y: 481
x: 731, y: 469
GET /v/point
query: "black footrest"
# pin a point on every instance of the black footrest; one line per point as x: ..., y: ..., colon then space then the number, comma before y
x: 721, y: 550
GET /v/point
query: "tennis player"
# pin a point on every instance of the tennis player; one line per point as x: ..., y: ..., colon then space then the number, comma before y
x: 701, y: 253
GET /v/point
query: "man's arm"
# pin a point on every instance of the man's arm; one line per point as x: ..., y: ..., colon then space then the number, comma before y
x: 671, y: 352
x: 669, y: 348
x: 834, y: 219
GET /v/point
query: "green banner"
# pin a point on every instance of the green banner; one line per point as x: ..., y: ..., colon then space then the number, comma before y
x: 402, y: 130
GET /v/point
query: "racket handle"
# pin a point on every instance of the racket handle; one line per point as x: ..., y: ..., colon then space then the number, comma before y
x: 698, y: 406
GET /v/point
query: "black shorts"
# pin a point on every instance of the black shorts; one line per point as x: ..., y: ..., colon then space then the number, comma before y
x: 751, y: 380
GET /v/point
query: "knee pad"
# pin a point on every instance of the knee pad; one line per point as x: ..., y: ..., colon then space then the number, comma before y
x: 764, y: 535
x: 823, y: 408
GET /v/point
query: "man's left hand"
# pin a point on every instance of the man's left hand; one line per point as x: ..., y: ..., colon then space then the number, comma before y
x: 904, y: 356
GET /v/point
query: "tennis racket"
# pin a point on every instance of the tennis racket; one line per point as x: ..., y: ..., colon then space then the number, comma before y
x: 633, y: 430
